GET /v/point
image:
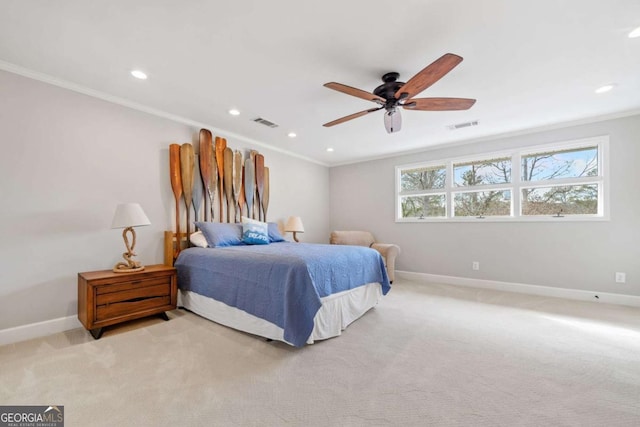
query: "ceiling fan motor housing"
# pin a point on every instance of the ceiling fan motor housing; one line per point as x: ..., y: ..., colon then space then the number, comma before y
x: 388, y: 89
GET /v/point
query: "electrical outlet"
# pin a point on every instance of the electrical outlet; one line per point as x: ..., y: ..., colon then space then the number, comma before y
x: 621, y: 277
x: 475, y: 265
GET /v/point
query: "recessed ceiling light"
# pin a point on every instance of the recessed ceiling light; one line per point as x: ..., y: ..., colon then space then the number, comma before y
x: 139, y: 74
x: 605, y: 88
x: 234, y: 112
x: 292, y: 135
x: 635, y: 33
x: 330, y: 149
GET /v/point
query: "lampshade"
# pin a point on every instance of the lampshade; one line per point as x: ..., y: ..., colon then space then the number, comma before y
x: 129, y: 215
x: 294, y: 223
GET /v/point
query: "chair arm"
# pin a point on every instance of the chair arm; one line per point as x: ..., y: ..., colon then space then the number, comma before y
x: 389, y: 253
x: 387, y: 250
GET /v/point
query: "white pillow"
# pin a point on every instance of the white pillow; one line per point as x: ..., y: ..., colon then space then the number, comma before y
x: 198, y: 239
x: 254, y: 232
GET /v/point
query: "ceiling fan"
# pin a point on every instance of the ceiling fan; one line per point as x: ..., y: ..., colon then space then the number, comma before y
x: 393, y: 94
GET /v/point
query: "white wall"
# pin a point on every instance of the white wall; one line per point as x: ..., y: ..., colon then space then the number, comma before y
x: 575, y: 255
x: 68, y: 159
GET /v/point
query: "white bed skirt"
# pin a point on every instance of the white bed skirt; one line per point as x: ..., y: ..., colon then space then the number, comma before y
x: 336, y: 313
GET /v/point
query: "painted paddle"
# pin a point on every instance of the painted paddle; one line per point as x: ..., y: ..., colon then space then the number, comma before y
x: 221, y: 144
x: 187, y: 161
x: 265, y: 196
x: 254, y: 196
x: 228, y: 179
x: 206, y: 149
x: 249, y: 184
x: 198, y: 188
x: 237, y: 181
x: 176, y: 186
x: 260, y: 182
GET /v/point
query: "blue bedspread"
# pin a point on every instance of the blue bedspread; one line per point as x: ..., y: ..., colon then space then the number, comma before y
x: 280, y: 282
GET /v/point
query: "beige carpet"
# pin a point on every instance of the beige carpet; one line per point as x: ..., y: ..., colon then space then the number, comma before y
x: 427, y: 355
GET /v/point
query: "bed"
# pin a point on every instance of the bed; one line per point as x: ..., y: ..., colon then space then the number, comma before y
x: 296, y: 293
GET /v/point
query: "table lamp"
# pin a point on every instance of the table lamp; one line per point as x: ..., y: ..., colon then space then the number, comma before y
x: 127, y: 216
x: 294, y: 225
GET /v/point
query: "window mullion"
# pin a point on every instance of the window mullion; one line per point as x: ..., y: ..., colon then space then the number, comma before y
x: 516, y: 179
x: 449, y: 186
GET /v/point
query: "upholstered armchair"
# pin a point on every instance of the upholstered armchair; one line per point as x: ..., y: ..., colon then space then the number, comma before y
x: 364, y: 238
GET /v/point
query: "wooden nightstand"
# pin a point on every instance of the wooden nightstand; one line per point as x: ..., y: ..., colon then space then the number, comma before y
x: 107, y: 298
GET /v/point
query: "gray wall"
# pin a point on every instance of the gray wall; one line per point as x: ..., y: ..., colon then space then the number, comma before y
x: 577, y: 255
x: 68, y: 160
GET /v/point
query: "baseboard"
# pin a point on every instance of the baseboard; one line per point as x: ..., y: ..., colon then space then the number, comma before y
x: 48, y: 327
x: 548, y: 291
x: 40, y: 329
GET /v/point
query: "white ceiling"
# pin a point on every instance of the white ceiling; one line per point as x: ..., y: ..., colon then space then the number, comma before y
x: 529, y: 64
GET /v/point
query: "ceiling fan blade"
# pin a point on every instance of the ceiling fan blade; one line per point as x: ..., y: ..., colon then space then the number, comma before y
x: 429, y: 75
x: 354, y: 92
x: 439, y: 104
x: 351, y: 117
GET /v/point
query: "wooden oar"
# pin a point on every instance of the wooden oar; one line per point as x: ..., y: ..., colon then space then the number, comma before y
x: 176, y: 186
x: 254, y: 196
x: 213, y: 182
x: 206, y: 148
x: 265, y: 196
x: 237, y: 181
x: 221, y: 144
x: 260, y: 181
x: 241, y: 197
x: 249, y: 184
x: 187, y: 162
x: 228, y: 179
x: 198, y: 188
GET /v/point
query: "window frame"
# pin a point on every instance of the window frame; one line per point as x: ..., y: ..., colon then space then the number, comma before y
x: 516, y: 185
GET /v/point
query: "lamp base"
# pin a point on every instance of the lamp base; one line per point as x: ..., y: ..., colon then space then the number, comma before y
x: 122, y: 268
x: 131, y: 266
x: 295, y: 237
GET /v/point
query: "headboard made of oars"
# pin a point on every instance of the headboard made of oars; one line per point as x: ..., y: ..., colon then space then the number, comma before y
x: 240, y: 181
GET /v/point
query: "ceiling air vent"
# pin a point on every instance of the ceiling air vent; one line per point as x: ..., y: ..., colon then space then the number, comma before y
x: 463, y: 125
x: 265, y: 122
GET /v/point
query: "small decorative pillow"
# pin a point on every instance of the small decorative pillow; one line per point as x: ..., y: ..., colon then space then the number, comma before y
x: 198, y: 239
x: 254, y: 232
x: 274, y: 233
x: 219, y: 234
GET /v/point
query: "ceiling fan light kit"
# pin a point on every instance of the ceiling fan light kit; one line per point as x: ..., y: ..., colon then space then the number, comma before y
x: 393, y: 94
x: 392, y: 121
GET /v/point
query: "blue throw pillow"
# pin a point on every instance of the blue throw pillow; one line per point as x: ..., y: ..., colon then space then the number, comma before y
x: 274, y: 233
x: 254, y: 232
x: 219, y: 234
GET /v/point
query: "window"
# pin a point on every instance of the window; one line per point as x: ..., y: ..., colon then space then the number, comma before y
x: 485, y: 173
x: 422, y: 192
x: 482, y: 203
x: 482, y: 172
x: 551, y: 182
x: 576, y: 173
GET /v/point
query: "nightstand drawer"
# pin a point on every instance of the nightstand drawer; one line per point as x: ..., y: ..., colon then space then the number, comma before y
x: 135, y: 305
x: 131, y: 293
x: 131, y: 285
